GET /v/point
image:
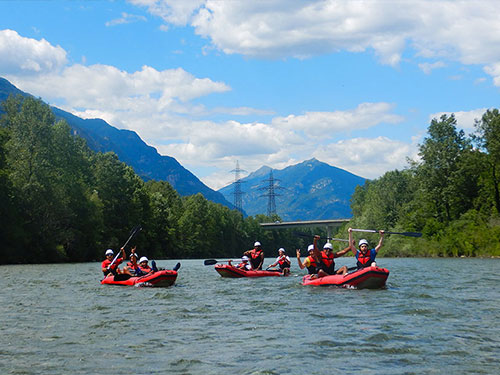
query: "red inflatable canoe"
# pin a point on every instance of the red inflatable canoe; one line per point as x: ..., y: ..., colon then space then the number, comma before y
x: 365, y: 278
x: 226, y: 270
x: 157, y: 279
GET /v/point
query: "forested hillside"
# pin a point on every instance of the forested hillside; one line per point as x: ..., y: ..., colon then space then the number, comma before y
x: 451, y: 195
x: 63, y: 202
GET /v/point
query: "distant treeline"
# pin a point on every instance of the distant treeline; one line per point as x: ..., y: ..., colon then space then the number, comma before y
x: 451, y: 194
x: 62, y: 202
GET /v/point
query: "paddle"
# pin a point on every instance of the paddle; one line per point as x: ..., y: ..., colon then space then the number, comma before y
x: 409, y: 234
x: 133, y: 232
x: 321, y: 238
x: 209, y: 262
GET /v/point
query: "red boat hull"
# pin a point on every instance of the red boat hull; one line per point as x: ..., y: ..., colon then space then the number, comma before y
x: 226, y: 270
x: 162, y: 278
x: 365, y: 278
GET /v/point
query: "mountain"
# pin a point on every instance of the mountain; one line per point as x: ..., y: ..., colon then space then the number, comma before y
x: 311, y: 190
x: 131, y: 149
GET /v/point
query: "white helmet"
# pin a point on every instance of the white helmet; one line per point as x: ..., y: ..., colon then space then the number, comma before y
x: 109, y: 252
x: 257, y: 243
x: 328, y: 245
x: 363, y: 242
x: 244, y: 258
x: 281, y: 249
x: 310, y: 247
x: 143, y: 259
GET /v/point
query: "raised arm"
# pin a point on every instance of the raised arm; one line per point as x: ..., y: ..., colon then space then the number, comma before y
x: 377, y: 248
x: 351, y: 242
x: 301, y: 265
x: 316, y: 252
x: 342, y: 252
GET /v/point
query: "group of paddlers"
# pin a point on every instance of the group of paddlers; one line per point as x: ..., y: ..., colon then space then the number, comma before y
x: 318, y: 263
x: 135, y: 266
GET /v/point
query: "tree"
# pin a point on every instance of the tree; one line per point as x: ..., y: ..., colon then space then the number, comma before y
x: 488, y: 136
x: 445, y: 175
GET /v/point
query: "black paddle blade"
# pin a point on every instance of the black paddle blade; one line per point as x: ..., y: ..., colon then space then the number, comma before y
x: 409, y: 234
x: 209, y: 262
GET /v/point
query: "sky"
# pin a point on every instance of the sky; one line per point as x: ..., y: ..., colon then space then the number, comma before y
x: 354, y: 83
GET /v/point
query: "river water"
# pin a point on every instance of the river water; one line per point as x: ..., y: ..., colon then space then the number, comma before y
x: 436, y: 316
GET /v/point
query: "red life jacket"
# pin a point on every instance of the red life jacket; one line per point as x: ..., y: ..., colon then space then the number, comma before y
x: 283, y: 262
x: 364, y: 260
x: 329, y: 263
x: 146, y: 269
x: 255, y: 258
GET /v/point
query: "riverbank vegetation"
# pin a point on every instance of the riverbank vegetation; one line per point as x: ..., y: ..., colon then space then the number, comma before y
x: 451, y: 194
x: 63, y: 202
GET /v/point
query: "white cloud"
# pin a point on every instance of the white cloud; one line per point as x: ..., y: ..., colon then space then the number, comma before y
x: 324, y: 124
x: 367, y: 157
x: 20, y: 55
x: 427, y: 68
x: 160, y: 107
x: 464, y: 31
x: 465, y: 119
x: 126, y: 18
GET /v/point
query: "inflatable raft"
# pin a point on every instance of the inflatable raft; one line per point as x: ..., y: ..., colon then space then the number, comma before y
x: 157, y: 279
x: 365, y: 278
x: 226, y: 270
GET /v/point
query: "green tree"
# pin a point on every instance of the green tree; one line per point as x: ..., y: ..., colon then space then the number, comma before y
x: 488, y: 137
x: 444, y: 175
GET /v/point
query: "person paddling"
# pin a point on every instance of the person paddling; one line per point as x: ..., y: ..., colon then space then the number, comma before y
x: 365, y: 257
x: 283, y: 261
x: 309, y: 262
x: 256, y: 256
x: 108, y: 266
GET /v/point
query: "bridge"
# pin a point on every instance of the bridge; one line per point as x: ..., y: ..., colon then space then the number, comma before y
x: 327, y: 224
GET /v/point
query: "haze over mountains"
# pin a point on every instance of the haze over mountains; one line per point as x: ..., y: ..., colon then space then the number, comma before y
x: 307, y: 191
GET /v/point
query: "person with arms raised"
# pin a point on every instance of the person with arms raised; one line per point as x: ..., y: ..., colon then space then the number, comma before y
x: 365, y: 257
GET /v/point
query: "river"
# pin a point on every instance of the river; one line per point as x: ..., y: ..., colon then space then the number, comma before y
x: 436, y: 316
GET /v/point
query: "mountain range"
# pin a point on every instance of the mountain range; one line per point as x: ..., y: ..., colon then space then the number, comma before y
x: 311, y: 190
x: 307, y: 191
x: 131, y: 149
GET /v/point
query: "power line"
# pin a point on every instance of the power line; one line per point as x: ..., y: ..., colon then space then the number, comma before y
x: 237, y: 192
x: 271, y: 193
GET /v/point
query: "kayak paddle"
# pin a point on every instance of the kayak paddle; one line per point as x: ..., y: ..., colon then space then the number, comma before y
x: 409, y: 234
x: 133, y: 232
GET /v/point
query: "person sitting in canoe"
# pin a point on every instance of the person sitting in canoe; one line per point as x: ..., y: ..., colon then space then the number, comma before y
x: 256, y: 256
x: 283, y: 261
x: 108, y: 265
x: 309, y: 262
x: 325, y: 259
x: 365, y: 257
x: 244, y: 265
x: 132, y: 265
x: 143, y: 267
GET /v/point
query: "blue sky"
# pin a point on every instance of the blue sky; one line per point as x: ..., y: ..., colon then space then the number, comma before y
x: 351, y: 83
